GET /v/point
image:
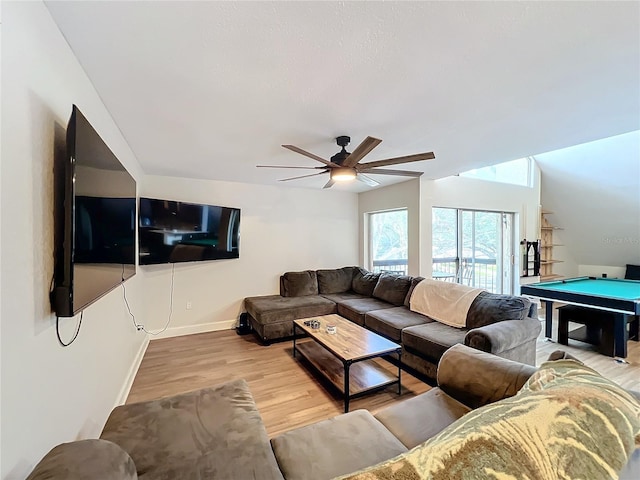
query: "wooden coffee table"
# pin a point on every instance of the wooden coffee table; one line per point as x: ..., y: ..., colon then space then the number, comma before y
x: 344, y: 358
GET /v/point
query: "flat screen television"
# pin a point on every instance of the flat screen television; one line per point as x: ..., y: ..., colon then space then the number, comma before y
x: 171, y: 232
x: 95, y: 220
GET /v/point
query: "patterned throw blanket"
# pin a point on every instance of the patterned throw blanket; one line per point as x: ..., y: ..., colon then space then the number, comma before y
x: 566, y: 422
x: 445, y: 302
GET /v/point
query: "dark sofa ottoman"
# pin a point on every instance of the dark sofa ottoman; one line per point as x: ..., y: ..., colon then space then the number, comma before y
x: 272, y: 316
x: 334, y: 447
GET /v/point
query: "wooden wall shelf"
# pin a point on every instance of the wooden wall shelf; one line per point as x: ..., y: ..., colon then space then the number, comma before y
x: 546, y: 247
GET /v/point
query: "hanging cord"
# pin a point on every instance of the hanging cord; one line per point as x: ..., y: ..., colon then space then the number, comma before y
x: 140, y: 326
x: 75, y: 335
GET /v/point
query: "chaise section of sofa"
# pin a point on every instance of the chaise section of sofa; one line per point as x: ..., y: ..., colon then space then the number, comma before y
x: 272, y: 316
x: 213, y: 433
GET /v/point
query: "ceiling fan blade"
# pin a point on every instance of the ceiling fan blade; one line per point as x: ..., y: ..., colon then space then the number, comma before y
x: 302, y: 176
x: 293, y: 148
x: 368, y: 180
x: 361, y: 150
x: 285, y: 166
x: 330, y: 183
x: 384, y: 171
x: 395, y: 161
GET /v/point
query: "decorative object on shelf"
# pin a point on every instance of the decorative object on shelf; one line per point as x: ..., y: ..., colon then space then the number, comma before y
x: 530, y: 257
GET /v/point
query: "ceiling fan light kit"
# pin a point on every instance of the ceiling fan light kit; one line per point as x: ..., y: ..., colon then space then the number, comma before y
x: 345, y: 166
x: 343, y: 174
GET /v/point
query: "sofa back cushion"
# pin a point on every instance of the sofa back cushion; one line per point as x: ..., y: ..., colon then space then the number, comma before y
x: 299, y: 284
x: 414, y: 281
x: 488, y: 308
x: 364, y: 281
x: 567, y: 418
x: 337, y: 280
x: 392, y: 288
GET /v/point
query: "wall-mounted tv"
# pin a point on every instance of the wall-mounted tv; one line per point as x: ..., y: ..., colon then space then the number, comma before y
x: 95, y: 220
x: 171, y: 232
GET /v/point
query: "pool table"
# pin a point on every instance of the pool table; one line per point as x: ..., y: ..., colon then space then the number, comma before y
x: 622, y: 297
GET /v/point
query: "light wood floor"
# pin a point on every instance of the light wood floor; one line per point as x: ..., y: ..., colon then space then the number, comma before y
x: 288, y: 394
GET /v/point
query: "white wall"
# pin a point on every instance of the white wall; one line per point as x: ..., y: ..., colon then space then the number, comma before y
x: 50, y: 394
x: 400, y: 195
x: 594, y: 191
x: 281, y: 229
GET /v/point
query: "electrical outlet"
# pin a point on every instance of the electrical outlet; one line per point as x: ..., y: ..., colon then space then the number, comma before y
x: 189, y: 305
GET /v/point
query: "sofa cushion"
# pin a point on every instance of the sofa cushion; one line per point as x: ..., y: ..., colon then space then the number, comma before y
x: 392, y: 288
x: 414, y: 281
x: 416, y: 420
x: 364, y: 282
x: 333, y: 447
x: 432, y: 339
x: 276, y: 309
x: 341, y: 297
x: 391, y: 321
x: 297, y: 284
x: 488, y: 308
x: 337, y: 280
x: 355, y: 309
x: 210, y: 433
x: 85, y: 459
x: 566, y: 421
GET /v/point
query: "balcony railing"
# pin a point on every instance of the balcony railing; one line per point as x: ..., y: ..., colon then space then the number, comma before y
x: 398, y: 266
x: 480, y: 273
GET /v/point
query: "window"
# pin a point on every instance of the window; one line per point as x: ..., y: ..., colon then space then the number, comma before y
x: 388, y: 241
x: 474, y: 248
x: 516, y: 172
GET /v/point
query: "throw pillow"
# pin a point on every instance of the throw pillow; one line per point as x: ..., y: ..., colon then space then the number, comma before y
x: 488, y: 308
x: 392, y: 288
x: 566, y: 422
x: 364, y: 282
x: 299, y: 284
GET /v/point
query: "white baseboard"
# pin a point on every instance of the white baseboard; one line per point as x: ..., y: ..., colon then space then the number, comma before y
x: 200, y: 328
x: 126, y: 388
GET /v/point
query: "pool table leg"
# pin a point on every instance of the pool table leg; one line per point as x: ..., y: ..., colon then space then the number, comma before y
x: 620, y: 335
x: 548, y: 318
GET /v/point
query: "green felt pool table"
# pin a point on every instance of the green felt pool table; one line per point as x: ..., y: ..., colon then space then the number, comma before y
x: 622, y: 297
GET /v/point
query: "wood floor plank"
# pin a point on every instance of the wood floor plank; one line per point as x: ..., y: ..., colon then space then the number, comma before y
x: 289, y: 394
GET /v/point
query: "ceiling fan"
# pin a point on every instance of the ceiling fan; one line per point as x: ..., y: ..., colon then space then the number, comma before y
x: 345, y: 166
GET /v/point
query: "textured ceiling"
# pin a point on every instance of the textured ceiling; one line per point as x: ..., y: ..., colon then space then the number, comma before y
x: 211, y: 89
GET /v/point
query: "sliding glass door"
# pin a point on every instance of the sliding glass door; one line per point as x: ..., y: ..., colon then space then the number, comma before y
x: 474, y: 248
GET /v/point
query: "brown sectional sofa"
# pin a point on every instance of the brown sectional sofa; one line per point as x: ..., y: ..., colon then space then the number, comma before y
x: 217, y: 433
x: 504, y: 325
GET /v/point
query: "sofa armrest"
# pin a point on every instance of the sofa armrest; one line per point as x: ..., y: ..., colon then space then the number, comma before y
x: 477, y: 378
x: 503, y: 336
x: 84, y: 459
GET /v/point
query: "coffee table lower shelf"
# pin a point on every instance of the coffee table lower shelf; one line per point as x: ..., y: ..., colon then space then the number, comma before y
x: 364, y: 376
